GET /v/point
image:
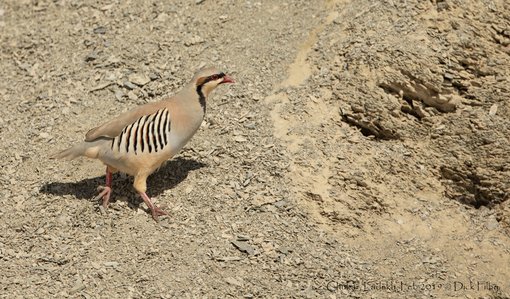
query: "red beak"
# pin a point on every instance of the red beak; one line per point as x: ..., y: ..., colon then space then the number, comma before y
x: 228, y: 79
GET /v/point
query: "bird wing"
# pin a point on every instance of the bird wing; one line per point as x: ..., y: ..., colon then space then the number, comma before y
x: 115, y: 126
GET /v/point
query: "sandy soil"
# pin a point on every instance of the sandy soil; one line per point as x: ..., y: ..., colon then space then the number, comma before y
x: 363, y: 152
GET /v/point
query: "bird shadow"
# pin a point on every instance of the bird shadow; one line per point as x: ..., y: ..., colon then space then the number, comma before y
x: 167, y: 177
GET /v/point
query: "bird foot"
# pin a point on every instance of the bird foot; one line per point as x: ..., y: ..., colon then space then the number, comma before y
x: 156, y: 212
x: 104, y: 193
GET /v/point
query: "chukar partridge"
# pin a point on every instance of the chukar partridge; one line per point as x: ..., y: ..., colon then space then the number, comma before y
x: 139, y: 141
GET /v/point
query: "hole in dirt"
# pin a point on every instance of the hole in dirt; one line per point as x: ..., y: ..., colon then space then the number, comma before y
x: 369, y: 127
x: 366, y: 132
x: 466, y: 186
x: 461, y: 89
x: 411, y: 109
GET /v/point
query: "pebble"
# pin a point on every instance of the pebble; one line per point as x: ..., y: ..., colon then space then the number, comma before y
x: 240, y: 139
x: 154, y: 76
x: 492, y: 223
x: 193, y: 41
x: 100, y: 30
x: 244, y: 247
x: 79, y: 286
x: 162, y: 17
x: 129, y: 85
x: 119, y: 95
x: 243, y: 238
x: 234, y: 281
x: 139, y: 79
x: 44, y: 135
x: 91, y: 56
x: 111, y: 264
x: 107, y: 7
x: 493, y: 110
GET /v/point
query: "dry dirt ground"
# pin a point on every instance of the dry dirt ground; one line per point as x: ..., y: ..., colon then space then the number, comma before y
x: 363, y: 152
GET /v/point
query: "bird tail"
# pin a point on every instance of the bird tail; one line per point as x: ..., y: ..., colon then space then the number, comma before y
x: 87, y: 148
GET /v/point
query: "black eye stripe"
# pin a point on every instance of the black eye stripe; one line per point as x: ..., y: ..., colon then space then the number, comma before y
x: 215, y: 77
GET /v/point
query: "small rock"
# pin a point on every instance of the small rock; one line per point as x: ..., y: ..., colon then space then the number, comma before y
x: 107, y: 7
x: 91, y: 57
x: 281, y: 204
x: 284, y: 250
x: 243, y: 238
x: 162, y: 17
x: 132, y: 96
x: 154, y: 76
x: 234, y: 281
x: 188, y: 189
x: 199, y: 1
x: 111, y: 264
x: 492, y: 223
x: 357, y: 108
x: 44, y: 135
x: 119, y: 95
x: 139, y: 79
x: 129, y: 85
x: 77, y: 287
x: 430, y: 260
x: 244, y: 247
x: 101, y: 86
x: 449, y: 76
x: 361, y: 183
x: 193, y: 41
x: 250, y: 126
x: 240, y: 139
x: 100, y: 30
x: 493, y: 110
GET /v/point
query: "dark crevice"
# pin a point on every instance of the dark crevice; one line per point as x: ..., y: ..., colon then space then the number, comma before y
x: 369, y: 128
x: 469, y: 188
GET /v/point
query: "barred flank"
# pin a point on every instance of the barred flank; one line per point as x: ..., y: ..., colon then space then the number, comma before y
x: 148, y: 134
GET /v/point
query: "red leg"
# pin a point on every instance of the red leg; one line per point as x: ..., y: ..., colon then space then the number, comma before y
x: 155, y: 211
x: 105, y: 191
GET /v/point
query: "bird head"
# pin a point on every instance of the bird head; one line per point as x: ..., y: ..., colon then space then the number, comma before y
x: 207, y: 79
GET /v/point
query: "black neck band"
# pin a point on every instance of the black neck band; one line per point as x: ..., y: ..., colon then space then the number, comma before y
x: 201, y: 97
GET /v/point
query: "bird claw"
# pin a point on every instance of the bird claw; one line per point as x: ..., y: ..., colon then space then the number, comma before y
x: 104, y: 193
x: 156, y: 212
